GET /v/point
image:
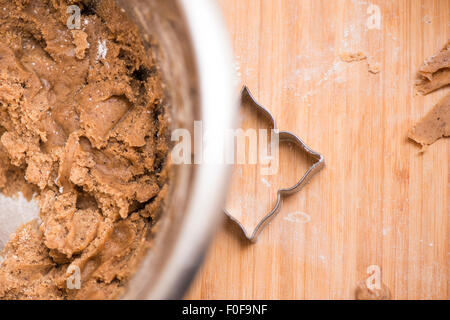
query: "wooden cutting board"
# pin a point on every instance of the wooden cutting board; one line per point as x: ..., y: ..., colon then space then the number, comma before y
x: 378, y: 202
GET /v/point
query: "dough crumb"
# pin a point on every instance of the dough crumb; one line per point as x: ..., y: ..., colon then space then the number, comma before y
x: 374, y: 67
x: 353, y: 56
x: 80, y: 42
x: 362, y: 292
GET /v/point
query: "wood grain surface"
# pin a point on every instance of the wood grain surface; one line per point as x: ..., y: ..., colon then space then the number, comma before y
x: 378, y: 201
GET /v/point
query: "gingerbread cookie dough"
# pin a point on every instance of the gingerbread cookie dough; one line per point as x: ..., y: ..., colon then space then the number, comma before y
x: 353, y: 56
x: 374, y: 67
x: 435, y: 125
x: 83, y: 128
x: 435, y: 72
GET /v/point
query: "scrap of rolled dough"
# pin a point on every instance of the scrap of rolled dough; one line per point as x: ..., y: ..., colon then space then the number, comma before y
x: 435, y: 125
x: 353, y: 56
x: 435, y: 72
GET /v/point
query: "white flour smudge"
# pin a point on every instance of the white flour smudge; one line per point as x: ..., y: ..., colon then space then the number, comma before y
x: 299, y: 217
x: 266, y: 183
x: 102, y: 50
x: 322, y: 258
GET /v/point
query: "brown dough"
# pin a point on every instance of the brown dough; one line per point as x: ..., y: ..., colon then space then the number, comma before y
x: 351, y: 57
x: 374, y: 67
x: 83, y: 128
x: 435, y: 72
x: 435, y: 125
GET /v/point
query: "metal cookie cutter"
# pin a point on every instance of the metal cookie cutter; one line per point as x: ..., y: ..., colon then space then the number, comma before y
x: 284, y: 136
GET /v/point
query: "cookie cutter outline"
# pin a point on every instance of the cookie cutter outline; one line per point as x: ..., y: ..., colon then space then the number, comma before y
x: 284, y: 136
